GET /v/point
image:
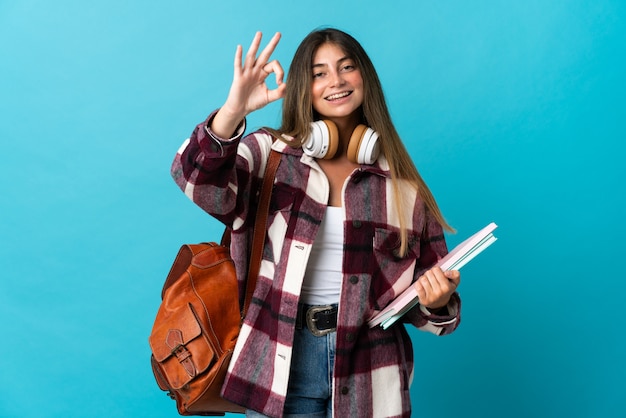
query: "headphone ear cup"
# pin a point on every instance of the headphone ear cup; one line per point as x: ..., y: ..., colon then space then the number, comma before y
x: 323, y: 141
x: 364, y: 146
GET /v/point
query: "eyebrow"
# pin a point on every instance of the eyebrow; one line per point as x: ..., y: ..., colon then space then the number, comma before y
x: 340, y: 60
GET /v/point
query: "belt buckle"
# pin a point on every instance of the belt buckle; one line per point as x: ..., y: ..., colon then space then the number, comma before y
x: 310, y: 320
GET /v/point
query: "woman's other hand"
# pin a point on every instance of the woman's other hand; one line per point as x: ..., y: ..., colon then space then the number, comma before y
x: 435, y: 287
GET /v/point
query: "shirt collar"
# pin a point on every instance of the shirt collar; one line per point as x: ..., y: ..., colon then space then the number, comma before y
x: 380, y: 166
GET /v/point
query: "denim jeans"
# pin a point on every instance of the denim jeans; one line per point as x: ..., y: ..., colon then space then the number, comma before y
x: 309, y: 394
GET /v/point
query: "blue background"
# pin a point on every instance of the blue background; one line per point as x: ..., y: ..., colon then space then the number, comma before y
x: 513, y: 111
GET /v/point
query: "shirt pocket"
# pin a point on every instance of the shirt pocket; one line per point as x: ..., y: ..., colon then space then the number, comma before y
x: 387, y: 245
x: 282, y: 205
x: 390, y: 266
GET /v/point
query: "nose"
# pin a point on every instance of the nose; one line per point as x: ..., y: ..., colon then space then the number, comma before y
x: 336, y: 79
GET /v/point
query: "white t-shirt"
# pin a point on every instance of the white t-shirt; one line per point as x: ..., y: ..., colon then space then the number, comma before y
x: 322, y: 280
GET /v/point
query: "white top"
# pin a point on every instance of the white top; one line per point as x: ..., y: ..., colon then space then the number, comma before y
x: 322, y: 280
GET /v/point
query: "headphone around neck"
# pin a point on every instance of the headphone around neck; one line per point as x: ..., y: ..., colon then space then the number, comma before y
x: 363, y: 147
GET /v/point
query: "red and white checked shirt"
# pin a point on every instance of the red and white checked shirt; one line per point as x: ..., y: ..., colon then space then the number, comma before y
x: 373, y: 367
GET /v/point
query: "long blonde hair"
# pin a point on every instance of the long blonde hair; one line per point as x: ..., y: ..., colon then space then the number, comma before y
x: 298, y: 113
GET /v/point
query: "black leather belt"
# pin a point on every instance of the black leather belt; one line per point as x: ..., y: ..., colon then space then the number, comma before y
x: 319, y: 319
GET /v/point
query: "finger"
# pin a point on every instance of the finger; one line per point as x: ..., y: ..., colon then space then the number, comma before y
x: 277, y: 93
x: 238, y: 56
x: 434, y: 278
x: 447, y: 278
x: 421, y: 293
x: 426, y: 284
x: 427, y: 295
x: 454, y: 276
x: 444, y: 285
x: 275, y: 67
x: 252, y: 50
x: 265, y: 55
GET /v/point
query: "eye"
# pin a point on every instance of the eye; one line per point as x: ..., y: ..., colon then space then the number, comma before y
x: 318, y: 75
x: 348, y: 67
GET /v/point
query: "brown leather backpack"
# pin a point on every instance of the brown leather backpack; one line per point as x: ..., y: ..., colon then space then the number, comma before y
x: 198, y: 322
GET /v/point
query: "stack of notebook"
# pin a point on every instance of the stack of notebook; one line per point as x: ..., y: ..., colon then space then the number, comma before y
x: 454, y: 260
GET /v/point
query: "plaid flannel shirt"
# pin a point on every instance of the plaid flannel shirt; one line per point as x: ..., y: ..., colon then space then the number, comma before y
x: 373, y: 367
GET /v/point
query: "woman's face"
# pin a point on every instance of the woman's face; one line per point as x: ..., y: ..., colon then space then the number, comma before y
x: 337, y: 88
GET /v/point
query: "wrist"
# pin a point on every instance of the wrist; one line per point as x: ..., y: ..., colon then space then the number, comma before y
x: 225, y: 123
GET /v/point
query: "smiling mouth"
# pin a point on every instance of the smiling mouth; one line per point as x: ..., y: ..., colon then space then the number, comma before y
x: 338, y: 96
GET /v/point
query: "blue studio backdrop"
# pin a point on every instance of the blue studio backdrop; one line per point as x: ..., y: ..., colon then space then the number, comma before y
x: 512, y: 110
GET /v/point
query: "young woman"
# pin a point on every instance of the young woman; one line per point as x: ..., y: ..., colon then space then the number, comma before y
x: 346, y: 234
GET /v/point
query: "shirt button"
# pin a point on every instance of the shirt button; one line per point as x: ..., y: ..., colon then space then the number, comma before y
x: 349, y: 337
x: 345, y: 390
x: 356, y: 224
x: 354, y: 279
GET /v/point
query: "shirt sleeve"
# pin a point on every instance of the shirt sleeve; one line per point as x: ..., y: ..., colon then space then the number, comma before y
x: 213, y: 174
x: 432, y: 248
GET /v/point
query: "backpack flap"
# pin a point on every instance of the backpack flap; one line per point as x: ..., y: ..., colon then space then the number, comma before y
x: 178, y: 346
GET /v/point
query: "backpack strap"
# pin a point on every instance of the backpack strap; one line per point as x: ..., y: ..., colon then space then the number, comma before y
x: 260, y: 228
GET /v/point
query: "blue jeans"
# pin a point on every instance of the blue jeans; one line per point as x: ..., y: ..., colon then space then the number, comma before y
x: 309, y: 394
